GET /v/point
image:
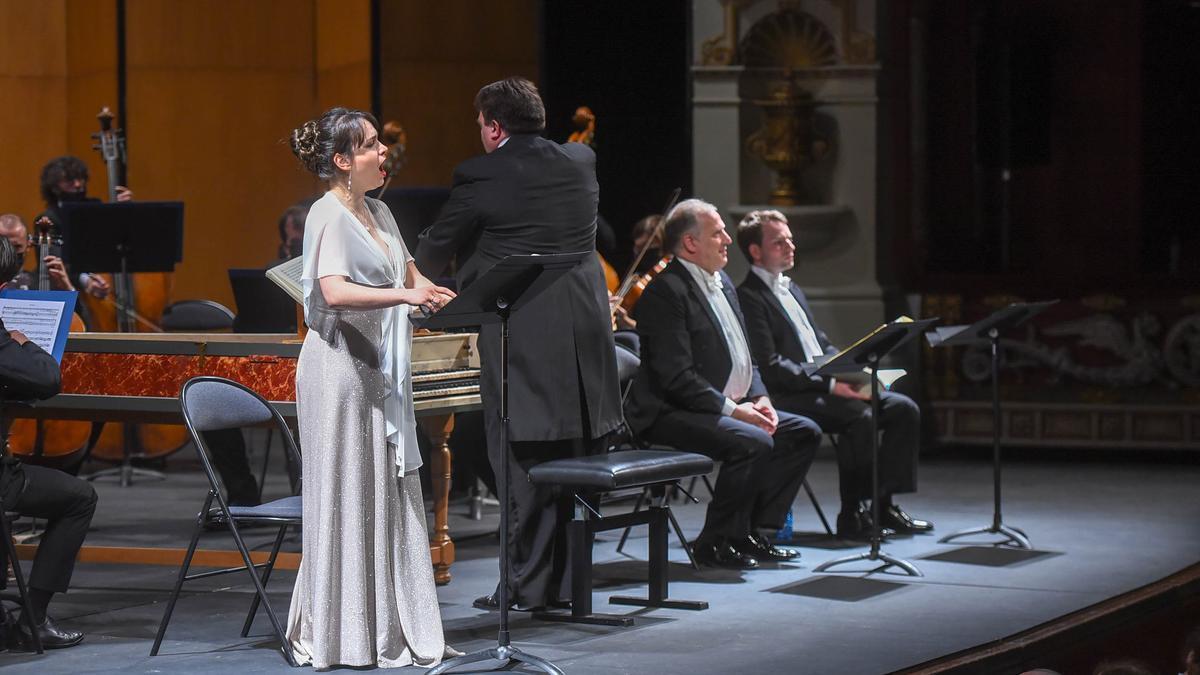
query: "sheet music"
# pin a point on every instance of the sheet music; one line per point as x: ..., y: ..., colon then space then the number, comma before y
x: 37, y: 319
x: 287, y: 276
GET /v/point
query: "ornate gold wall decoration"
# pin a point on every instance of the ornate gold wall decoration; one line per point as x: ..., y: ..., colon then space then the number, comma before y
x: 786, y: 142
x: 787, y: 40
x: 721, y: 50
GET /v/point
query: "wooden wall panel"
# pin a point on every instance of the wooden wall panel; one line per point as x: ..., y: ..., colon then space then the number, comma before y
x: 92, y: 80
x: 434, y: 57
x: 213, y: 90
x: 343, y: 54
x: 33, y: 77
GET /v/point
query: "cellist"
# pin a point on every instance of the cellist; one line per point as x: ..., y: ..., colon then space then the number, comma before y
x: 14, y: 230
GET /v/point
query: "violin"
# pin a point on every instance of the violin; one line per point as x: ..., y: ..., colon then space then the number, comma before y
x: 138, y: 306
x: 632, y: 286
x: 634, y: 292
x: 49, y: 442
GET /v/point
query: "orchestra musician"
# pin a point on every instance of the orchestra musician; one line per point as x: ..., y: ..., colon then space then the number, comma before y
x: 699, y: 389
x: 67, y: 503
x: 528, y: 195
x: 15, y: 230
x: 64, y: 179
x: 783, y: 335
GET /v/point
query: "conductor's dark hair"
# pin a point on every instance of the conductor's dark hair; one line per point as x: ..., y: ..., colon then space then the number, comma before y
x: 67, y: 167
x: 336, y: 132
x: 682, y: 219
x: 514, y: 102
x: 10, y: 262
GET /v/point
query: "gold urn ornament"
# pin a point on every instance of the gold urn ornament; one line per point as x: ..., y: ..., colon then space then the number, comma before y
x: 787, y: 142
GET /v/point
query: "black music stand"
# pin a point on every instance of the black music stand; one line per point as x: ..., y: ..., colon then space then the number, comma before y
x: 987, y: 331
x: 867, y: 353
x: 122, y: 239
x: 507, y: 287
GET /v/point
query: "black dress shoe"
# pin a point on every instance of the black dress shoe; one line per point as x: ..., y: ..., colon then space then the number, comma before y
x: 488, y: 602
x: 895, y: 518
x: 757, y: 546
x: 719, y: 553
x: 51, y: 636
x: 857, y: 525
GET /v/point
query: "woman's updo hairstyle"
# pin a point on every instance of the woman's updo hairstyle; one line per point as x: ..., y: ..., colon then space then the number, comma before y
x: 338, y: 131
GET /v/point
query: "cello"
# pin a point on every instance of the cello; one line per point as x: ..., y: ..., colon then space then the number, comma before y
x: 138, y: 306
x: 585, y: 133
x: 56, y: 443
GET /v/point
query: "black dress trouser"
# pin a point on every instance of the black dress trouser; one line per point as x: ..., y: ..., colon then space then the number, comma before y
x: 899, y: 422
x: 67, y: 503
x: 760, y: 473
x: 538, y: 573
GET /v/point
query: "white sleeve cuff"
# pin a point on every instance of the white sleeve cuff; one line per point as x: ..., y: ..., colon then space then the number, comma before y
x: 729, y: 407
x: 832, y: 381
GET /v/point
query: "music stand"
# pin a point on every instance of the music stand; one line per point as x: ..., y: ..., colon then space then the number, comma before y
x: 867, y: 353
x: 987, y: 331
x: 122, y: 239
x: 262, y: 306
x: 507, y: 287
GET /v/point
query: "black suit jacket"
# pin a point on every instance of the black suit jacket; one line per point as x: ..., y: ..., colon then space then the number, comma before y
x: 26, y: 372
x: 773, y: 339
x: 535, y: 196
x: 685, y: 361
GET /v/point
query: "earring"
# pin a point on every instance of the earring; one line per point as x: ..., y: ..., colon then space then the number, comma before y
x: 349, y: 178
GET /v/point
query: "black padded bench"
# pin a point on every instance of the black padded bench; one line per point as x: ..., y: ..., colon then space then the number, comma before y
x: 587, y: 476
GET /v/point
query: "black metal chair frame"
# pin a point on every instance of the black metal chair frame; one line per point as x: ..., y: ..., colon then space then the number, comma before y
x: 232, y: 521
x: 22, y: 596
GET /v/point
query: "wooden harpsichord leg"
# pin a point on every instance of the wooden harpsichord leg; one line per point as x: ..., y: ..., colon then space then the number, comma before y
x: 441, y: 547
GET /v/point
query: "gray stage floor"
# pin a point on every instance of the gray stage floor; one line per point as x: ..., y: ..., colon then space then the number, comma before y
x: 1099, y: 527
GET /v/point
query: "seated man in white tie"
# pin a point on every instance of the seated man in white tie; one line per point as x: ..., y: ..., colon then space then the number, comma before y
x: 783, y: 336
x: 698, y: 389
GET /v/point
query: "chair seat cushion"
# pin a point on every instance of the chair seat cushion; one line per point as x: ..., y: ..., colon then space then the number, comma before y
x: 288, y: 507
x: 621, y: 469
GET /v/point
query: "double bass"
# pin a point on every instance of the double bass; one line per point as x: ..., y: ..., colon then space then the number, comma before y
x: 138, y: 306
x: 56, y: 443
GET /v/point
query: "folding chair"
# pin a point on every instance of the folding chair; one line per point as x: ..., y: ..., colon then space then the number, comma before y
x: 22, y: 596
x: 211, y: 403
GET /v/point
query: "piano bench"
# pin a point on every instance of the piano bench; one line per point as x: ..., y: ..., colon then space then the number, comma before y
x: 587, y: 476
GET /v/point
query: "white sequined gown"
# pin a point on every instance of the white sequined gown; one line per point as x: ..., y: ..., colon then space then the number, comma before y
x: 364, y: 594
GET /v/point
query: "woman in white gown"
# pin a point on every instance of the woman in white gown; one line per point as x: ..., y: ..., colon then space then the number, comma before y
x: 365, y: 593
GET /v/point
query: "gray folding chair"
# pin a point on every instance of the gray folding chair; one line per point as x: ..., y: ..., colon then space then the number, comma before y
x: 211, y: 403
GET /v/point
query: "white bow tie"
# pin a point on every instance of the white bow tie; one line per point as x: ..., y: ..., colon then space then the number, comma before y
x: 782, y: 284
x: 713, y: 281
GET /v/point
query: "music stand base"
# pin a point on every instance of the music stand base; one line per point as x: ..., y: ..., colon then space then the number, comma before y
x: 891, y: 561
x: 126, y: 473
x: 1012, y: 536
x: 506, y: 654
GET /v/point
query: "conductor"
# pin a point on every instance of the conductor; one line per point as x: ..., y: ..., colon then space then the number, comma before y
x: 530, y: 195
